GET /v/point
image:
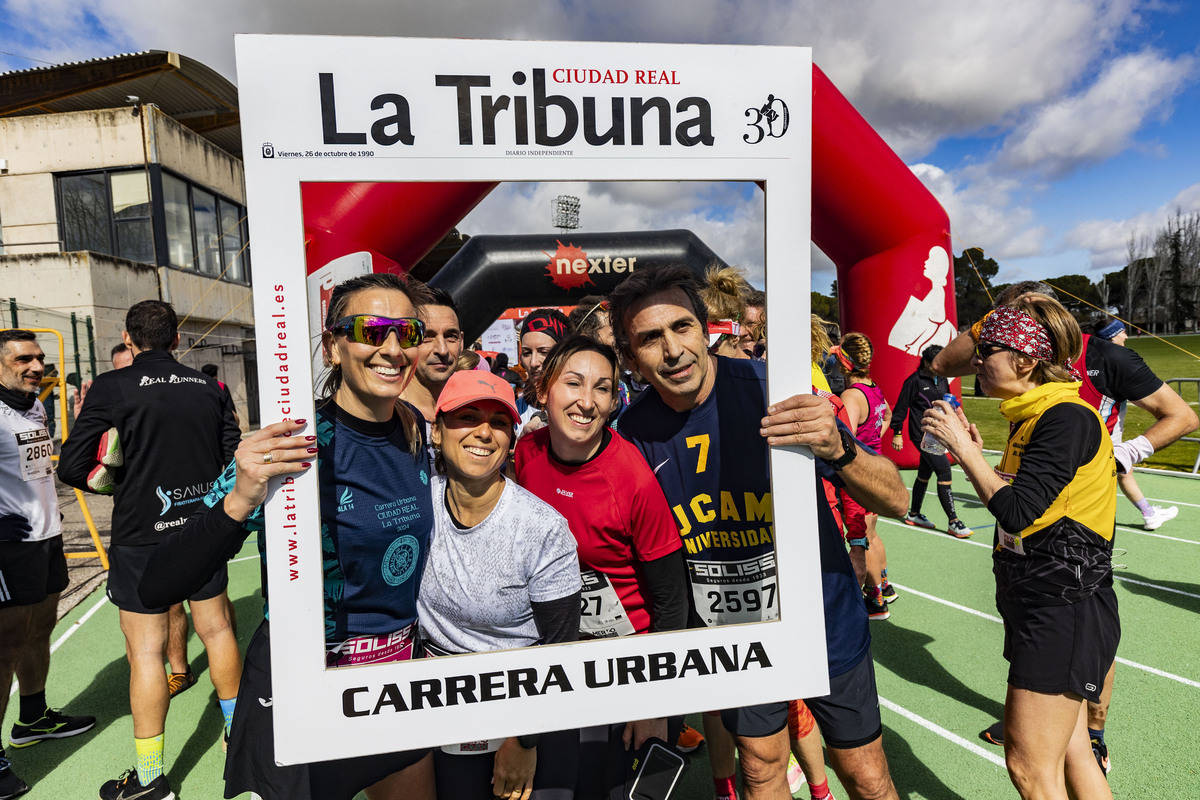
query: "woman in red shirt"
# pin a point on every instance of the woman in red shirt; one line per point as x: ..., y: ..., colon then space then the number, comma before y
x: 634, y: 580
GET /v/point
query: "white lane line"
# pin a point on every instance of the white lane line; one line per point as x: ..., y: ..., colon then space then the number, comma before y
x: 1172, y: 502
x: 910, y: 590
x: 1158, y: 672
x: 1125, y: 661
x: 69, y: 632
x: 935, y: 532
x: 939, y: 534
x: 940, y: 731
x: 1156, y: 586
x: 244, y: 558
x: 1155, y: 535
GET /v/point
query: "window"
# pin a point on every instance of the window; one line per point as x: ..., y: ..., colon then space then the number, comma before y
x: 177, y: 209
x: 205, y: 233
x: 111, y: 211
x: 107, y: 212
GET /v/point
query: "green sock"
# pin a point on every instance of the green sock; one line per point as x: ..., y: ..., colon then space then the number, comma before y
x: 149, y: 758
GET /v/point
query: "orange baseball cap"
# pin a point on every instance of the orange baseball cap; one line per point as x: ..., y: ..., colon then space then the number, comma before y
x: 470, y: 386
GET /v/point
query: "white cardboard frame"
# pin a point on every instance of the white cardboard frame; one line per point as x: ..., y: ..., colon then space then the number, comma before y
x: 281, y: 105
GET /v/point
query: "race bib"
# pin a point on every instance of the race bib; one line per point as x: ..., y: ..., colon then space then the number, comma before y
x: 35, y: 450
x: 601, y: 614
x: 395, y: 646
x: 732, y: 592
x: 1011, y: 541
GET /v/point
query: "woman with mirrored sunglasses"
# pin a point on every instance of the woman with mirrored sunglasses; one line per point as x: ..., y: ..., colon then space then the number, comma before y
x: 370, y: 454
x: 1054, y: 498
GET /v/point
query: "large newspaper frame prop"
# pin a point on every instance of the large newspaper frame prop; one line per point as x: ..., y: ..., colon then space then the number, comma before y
x: 736, y: 114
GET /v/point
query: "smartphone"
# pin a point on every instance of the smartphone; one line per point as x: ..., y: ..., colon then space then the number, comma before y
x: 654, y: 771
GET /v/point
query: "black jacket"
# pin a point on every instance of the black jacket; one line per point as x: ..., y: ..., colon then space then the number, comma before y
x: 916, y: 397
x: 177, y: 433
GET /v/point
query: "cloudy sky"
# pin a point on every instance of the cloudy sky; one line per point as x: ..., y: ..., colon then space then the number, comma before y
x: 1048, y: 130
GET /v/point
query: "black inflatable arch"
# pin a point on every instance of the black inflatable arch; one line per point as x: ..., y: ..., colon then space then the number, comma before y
x: 493, y: 273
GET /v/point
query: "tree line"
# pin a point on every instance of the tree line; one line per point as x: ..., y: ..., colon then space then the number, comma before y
x: 1158, y: 290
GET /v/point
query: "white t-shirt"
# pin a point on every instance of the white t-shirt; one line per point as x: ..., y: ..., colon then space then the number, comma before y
x: 478, y: 583
x: 28, y: 499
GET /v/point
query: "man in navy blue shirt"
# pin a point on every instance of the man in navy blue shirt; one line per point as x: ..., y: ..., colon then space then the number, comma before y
x: 705, y: 430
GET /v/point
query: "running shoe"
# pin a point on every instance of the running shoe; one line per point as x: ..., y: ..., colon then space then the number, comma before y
x: 994, y: 734
x: 689, y: 739
x: 877, y: 610
x: 1157, y: 516
x: 958, y: 530
x: 889, y: 592
x: 10, y: 784
x: 1100, y: 751
x: 128, y: 787
x: 179, y: 682
x: 920, y: 520
x: 795, y: 775
x: 53, y: 725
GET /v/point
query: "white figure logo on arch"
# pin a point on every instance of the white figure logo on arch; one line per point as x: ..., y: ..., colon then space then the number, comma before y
x: 923, y: 321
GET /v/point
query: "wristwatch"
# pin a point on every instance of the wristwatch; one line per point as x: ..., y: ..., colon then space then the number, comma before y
x: 850, y: 448
x: 529, y: 740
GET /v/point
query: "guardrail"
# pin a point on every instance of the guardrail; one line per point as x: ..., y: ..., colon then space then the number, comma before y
x: 1177, y: 384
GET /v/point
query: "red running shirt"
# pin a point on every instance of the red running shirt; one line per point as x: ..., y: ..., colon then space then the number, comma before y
x: 619, y: 517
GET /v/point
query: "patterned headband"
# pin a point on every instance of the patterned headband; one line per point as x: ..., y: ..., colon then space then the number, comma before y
x: 1018, y: 331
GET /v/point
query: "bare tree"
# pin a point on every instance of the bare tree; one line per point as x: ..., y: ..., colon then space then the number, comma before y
x: 1157, y: 274
x: 1138, y: 249
x: 1189, y: 267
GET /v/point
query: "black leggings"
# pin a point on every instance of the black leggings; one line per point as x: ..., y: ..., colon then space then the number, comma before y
x: 469, y: 777
x: 928, y: 465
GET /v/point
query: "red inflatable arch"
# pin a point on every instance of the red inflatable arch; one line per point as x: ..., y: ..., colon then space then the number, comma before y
x: 885, y: 232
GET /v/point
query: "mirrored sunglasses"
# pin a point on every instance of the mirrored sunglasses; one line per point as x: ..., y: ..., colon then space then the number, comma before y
x: 373, y: 330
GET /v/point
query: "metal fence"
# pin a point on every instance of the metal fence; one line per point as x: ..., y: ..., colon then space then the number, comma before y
x: 1178, y: 385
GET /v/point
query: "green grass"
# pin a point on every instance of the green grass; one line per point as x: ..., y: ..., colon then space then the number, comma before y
x: 1166, y: 357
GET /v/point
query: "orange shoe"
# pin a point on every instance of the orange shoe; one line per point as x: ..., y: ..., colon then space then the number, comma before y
x: 689, y: 739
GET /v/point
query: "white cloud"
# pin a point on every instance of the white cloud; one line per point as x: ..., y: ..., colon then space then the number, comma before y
x: 1100, y: 121
x: 982, y: 213
x: 1107, y: 240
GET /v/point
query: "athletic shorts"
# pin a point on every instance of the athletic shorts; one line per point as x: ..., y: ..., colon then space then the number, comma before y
x: 1118, y: 430
x: 1068, y: 648
x: 849, y: 715
x: 127, y: 564
x: 250, y: 764
x: 31, y: 571
x: 756, y: 721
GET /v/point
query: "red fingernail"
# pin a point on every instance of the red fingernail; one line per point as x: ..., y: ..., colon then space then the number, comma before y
x: 306, y: 464
x: 312, y: 450
x: 310, y: 438
x: 301, y: 421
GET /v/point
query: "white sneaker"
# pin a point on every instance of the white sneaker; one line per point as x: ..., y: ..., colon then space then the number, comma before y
x: 795, y: 775
x: 1157, y: 516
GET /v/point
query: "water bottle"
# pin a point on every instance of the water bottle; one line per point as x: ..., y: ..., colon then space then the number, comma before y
x: 929, y: 442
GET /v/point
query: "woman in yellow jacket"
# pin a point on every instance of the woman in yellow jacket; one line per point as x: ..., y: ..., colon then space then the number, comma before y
x: 1054, y: 498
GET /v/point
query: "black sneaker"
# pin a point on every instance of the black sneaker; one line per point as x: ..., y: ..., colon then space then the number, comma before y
x: 53, y: 725
x: 877, y: 611
x: 994, y: 734
x: 128, y: 787
x: 10, y: 784
x: 889, y: 592
x: 1100, y: 751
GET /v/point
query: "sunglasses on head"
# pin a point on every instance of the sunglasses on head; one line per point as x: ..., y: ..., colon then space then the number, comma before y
x: 373, y: 330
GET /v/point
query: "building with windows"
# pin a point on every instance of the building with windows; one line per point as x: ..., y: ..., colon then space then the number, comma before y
x: 121, y: 180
